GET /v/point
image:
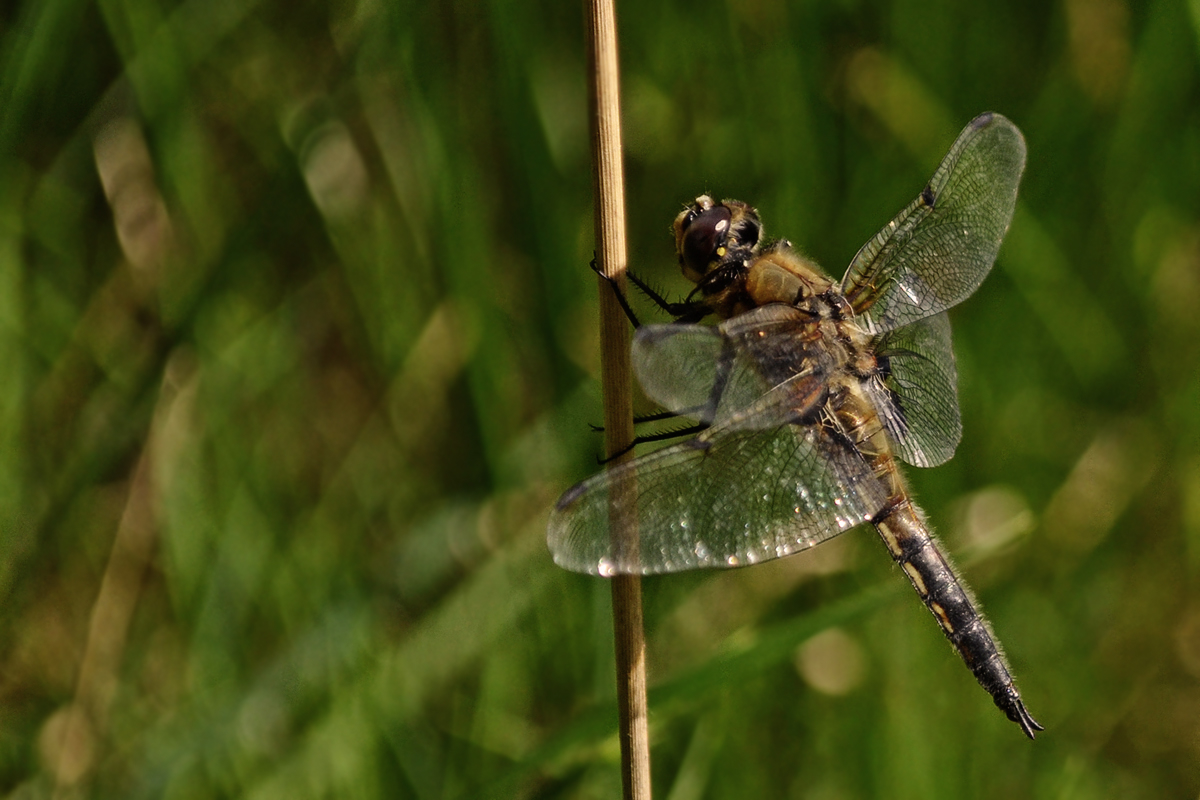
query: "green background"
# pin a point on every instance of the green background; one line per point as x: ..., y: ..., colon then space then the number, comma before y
x: 298, y: 345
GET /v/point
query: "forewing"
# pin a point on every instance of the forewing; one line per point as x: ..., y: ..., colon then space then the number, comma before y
x: 918, y: 400
x: 936, y: 252
x: 711, y: 373
x: 730, y: 497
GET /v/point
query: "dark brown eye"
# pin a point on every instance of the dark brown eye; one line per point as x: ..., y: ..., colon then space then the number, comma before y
x: 703, y: 237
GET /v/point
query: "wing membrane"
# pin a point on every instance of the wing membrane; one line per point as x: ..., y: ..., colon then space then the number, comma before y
x: 936, y: 252
x: 755, y: 366
x: 730, y: 497
x: 919, y: 401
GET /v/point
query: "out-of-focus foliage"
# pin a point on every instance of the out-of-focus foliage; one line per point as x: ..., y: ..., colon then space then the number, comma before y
x: 298, y: 345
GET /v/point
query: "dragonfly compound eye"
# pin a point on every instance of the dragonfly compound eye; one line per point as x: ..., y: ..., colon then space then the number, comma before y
x: 703, y: 241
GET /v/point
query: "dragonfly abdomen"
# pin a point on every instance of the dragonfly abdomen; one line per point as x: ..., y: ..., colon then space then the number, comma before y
x: 914, y: 547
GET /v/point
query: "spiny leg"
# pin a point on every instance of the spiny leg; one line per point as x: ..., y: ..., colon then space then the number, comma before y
x: 687, y: 311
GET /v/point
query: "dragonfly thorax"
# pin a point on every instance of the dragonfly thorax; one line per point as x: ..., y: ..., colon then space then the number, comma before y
x: 781, y: 275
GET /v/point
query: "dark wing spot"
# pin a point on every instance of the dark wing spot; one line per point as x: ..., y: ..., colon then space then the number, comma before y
x: 982, y: 120
x: 569, y: 497
x: 927, y: 196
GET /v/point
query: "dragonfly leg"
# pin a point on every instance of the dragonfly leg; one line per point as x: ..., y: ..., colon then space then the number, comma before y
x: 658, y: 416
x: 688, y: 311
x: 632, y: 317
x: 662, y: 436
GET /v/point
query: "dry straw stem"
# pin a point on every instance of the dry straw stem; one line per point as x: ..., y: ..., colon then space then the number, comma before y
x: 609, y: 188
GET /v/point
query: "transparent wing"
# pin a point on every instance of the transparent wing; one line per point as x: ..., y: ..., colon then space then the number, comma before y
x: 917, y: 398
x: 759, y: 366
x: 936, y: 252
x: 729, y: 497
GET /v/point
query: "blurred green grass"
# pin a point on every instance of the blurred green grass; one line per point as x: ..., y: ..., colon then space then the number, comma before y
x: 299, y: 346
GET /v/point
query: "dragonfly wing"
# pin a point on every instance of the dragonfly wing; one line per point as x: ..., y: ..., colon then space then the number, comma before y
x: 729, y: 497
x: 712, y: 373
x: 936, y: 252
x: 918, y: 398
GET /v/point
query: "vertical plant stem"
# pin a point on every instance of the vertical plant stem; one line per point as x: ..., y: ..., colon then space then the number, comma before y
x: 609, y: 193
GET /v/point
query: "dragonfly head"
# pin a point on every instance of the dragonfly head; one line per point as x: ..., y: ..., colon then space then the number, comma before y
x: 711, y: 236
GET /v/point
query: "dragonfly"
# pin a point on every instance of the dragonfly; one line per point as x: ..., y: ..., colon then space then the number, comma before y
x: 806, y: 393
